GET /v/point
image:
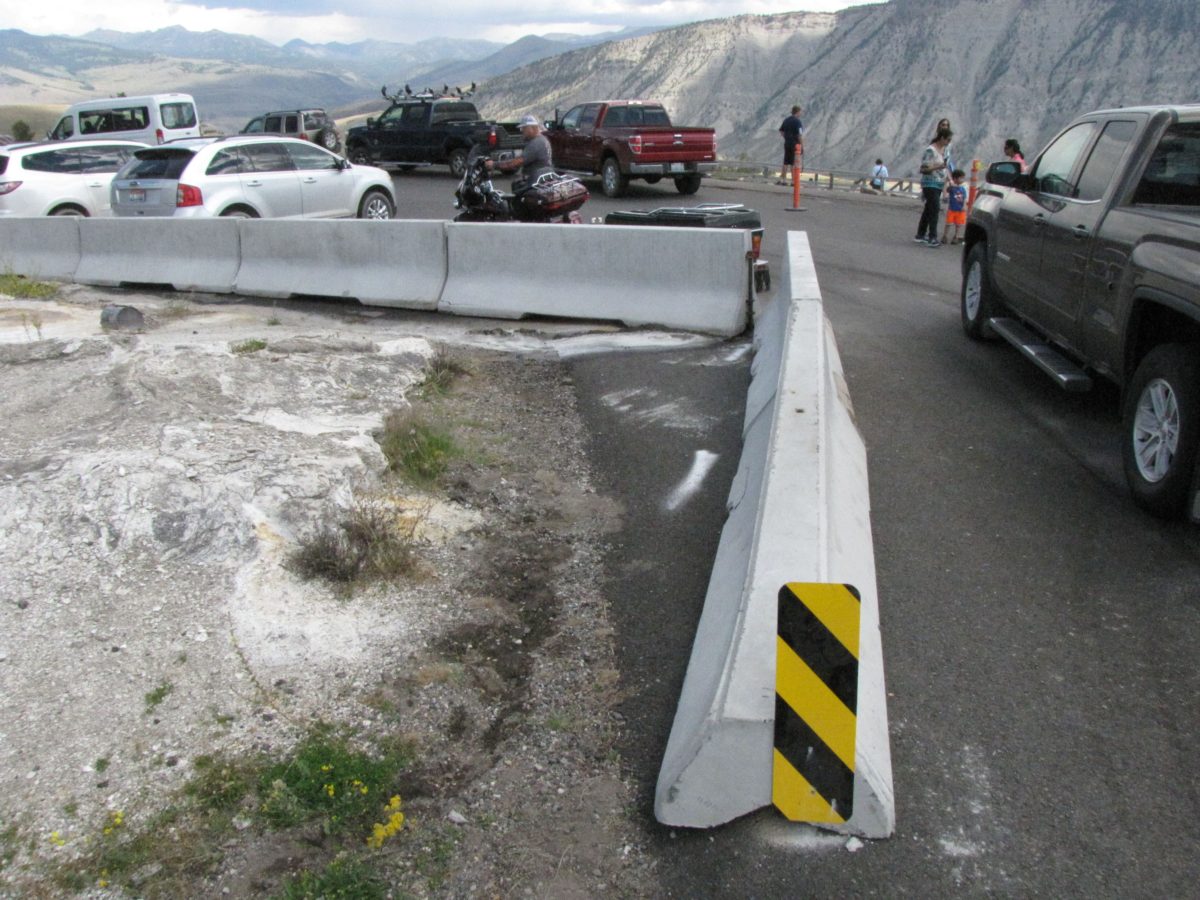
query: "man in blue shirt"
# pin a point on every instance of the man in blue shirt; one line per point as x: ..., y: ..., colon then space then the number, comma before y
x: 792, y: 130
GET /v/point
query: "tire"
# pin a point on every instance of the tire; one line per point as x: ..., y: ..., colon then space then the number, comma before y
x: 978, y: 296
x: 239, y: 212
x: 405, y: 169
x: 357, y: 154
x: 613, y: 181
x: 687, y: 184
x: 1160, y: 430
x: 77, y: 211
x: 376, y: 205
x: 457, y: 160
x: 328, y: 138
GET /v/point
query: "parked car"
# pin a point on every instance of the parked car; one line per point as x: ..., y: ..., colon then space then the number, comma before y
x: 421, y: 130
x: 54, y: 179
x: 307, y: 124
x: 153, y: 119
x: 251, y: 177
x: 1089, y: 264
x: 624, y: 139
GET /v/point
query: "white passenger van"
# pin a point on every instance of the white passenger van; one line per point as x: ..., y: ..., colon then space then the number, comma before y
x: 154, y: 119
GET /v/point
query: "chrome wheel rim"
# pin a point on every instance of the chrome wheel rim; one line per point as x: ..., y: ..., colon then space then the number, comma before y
x: 377, y: 208
x: 1156, y: 430
x: 610, y: 179
x: 973, y: 296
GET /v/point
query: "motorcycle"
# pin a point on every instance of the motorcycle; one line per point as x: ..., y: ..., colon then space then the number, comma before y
x: 550, y: 198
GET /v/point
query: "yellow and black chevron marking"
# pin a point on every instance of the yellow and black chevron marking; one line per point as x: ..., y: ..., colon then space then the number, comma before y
x: 816, y: 698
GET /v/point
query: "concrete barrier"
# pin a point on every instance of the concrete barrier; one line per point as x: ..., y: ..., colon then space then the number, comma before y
x: 395, y: 263
x: 40, y: 248
x: 188, y: 254
x: 687, y: 278
x: 799, y: 512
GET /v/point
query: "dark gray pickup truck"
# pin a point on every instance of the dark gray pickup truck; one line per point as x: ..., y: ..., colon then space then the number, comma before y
x: 1089, y: 263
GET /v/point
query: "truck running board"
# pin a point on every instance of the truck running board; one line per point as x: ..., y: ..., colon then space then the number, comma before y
x: 1065, y: 373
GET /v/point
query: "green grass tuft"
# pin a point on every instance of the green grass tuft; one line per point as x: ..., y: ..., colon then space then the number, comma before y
x: 414, y: 449
x: 253, y: 345
x: 22, y: 288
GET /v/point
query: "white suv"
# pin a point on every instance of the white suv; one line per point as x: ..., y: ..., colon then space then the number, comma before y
x: 251, y: 177
x: 57, y: 179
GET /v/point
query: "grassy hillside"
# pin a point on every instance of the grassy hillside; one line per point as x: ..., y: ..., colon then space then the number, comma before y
x: 40, y: 118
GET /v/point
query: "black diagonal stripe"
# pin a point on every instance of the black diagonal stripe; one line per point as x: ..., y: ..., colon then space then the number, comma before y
x: 819, y: 648
x: 813, y: 759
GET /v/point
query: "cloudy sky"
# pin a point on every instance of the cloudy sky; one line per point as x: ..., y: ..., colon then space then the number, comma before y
x: 319, y: 21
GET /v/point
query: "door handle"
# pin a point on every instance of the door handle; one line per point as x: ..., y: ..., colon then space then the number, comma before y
x: 310, y: 181
x: 255, y: 183
x: 1039, y: 220
x: 1081, y: 231
x: 95, y: 184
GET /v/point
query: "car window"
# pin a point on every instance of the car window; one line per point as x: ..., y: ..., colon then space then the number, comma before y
x: 177, y: 115
x: 1053, y: 172
x: 314, y: 120
x: 305, y: 156
x: 106, y: 121
x: 590, y: 113
x: 273, y: 124
x: 157, y: 164
x: 255, y: 126
x: 392, y: 115
x: 454, y: 112
x: 1172, y: 177
x: 58, y: 161
x: 103, y: 159
x: 655, y: 115
x: 292, y: 124
x: 3, y: 163
x: 571, y: 119
x: 267, y: 158
x: 227, y: 161
x: 617, y: 115
x: 414, y: 115
x: 64, y: 129
x: 1102, y: 164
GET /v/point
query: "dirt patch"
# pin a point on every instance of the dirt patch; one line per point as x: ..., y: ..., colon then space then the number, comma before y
x: 152, y: 487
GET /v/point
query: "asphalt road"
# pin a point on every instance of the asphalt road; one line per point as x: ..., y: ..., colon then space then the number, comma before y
x: 1039, y: 631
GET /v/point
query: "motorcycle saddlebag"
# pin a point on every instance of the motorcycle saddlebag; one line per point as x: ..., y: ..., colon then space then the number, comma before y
x: 703, y: 216
x: 554, y: 196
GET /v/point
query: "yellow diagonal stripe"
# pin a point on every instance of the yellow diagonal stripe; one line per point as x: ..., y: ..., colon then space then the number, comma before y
x: 816, y: 704
x: 837, y: 608
x: 796, y: 798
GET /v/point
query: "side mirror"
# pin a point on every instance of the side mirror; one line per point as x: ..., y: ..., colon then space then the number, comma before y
x: 370, y: 121
x: 1003, y: 173
x: 343, y: 164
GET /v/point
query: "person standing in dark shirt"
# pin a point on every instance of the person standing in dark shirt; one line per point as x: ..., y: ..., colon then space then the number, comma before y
x: 792, y: 130
x: 534, y: 161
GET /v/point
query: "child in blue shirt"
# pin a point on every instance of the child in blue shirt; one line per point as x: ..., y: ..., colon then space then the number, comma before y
x: 956, y: 213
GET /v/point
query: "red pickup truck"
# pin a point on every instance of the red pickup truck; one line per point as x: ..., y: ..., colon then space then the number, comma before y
x: 623, y: 139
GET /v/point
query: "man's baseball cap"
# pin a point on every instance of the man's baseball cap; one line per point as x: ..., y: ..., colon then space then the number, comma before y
x: 530, y: 120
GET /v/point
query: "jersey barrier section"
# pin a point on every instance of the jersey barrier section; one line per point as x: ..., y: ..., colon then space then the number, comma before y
x: 40, y: 248
x: 189, y: 255
x: 688, y: 278
x: 400, y: 263
x: 799, y: 514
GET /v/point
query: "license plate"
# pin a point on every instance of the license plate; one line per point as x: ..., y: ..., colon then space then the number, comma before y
x: 137, y: 195
x: 677, y: 167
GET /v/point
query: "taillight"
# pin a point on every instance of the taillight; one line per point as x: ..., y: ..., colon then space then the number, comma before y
x: 158, y: 133
x: 7, y: 187
x: 186, y: 195
x: 303, y: 136
x: 635, y: 143
x: 493, y: 138
x: 755, y: 244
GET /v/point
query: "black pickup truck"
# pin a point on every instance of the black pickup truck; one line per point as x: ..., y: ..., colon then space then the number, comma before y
x: 426, y: 130
x: 1089, y: 263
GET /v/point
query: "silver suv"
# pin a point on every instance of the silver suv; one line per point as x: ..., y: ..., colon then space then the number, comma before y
x: 56, y: 179
x: 307, y: 124
x: 251, y: 177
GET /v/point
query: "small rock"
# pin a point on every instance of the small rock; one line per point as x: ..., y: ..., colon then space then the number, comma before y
x: 456, y: 817
x: 22, y: 604
x: 854, y: 845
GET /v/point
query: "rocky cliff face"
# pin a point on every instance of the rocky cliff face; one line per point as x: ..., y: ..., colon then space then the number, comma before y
x: 874, y: 79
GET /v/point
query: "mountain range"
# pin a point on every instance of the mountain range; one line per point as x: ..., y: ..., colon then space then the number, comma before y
x: 873, y: 80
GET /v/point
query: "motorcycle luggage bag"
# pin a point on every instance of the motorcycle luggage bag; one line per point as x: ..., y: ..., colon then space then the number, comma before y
x: 554, y: 196
x: 714, y: 216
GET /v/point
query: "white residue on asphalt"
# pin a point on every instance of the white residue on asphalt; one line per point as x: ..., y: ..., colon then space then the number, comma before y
x: 702, y: 464
x: 785, y: 835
